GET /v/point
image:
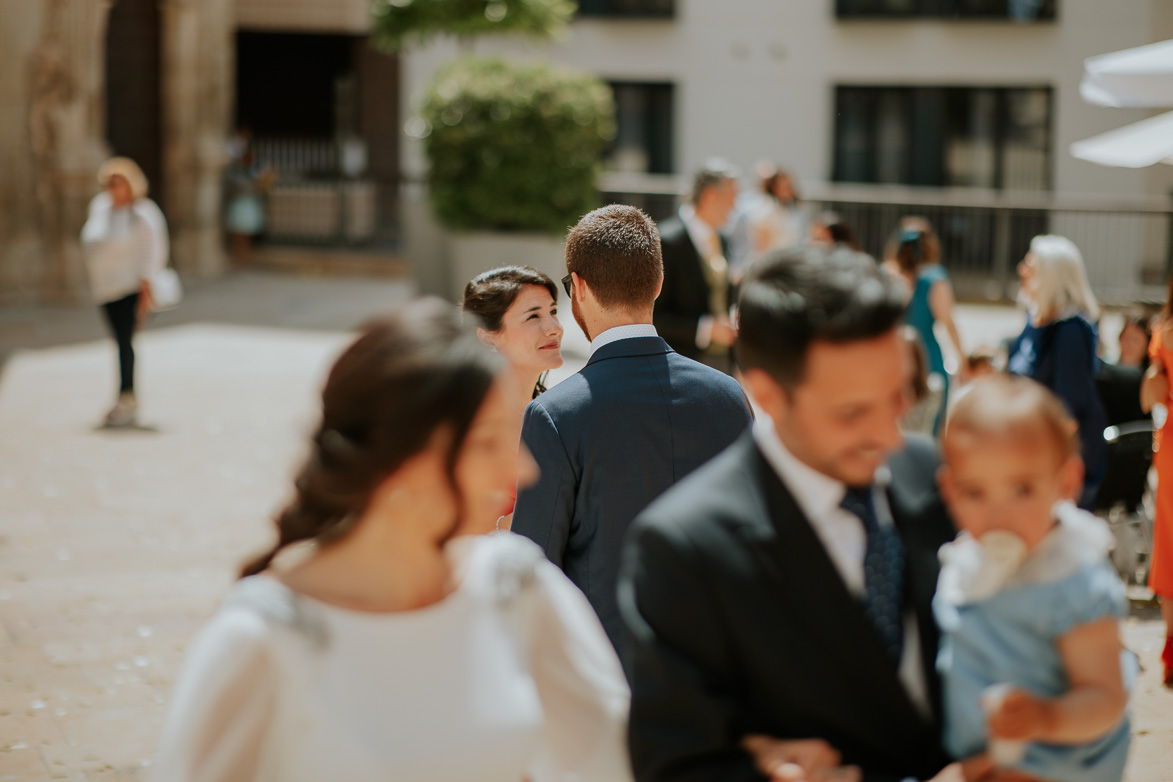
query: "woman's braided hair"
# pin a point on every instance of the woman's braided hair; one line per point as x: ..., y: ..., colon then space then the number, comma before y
x: 407, y: 376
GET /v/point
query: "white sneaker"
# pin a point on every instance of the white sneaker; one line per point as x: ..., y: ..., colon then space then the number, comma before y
x: 124, y: 412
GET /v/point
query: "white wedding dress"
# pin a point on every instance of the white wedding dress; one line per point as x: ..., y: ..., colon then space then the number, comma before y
x: 509, y: 677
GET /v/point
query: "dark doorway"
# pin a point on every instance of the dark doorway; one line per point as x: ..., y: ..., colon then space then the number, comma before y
x: 133, y: 104
x: 321, y: 113
x: 288, y: 84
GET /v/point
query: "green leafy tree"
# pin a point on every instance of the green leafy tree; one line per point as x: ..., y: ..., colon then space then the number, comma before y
x: 401, y: 24
x: 513, y: 146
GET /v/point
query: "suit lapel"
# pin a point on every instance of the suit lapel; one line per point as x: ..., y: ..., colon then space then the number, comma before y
x: 792, y: 554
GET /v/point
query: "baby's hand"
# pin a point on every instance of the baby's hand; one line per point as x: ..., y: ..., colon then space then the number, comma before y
x: 1021, y: 717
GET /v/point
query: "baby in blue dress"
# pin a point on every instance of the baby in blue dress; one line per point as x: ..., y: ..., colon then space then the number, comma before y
x: 1033, y: 673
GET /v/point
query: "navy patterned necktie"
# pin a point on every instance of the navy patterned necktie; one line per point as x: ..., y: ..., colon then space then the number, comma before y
x: 883, y: 568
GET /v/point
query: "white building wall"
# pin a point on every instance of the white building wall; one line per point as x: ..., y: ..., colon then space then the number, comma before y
x: 755, y: 78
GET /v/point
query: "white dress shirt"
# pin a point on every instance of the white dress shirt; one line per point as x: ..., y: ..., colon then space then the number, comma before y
x: 843, y: 537
x: 623, y: 332
x: 701, y: 233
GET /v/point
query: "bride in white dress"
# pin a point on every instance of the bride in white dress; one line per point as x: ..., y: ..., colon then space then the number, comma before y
x: 405, y: 645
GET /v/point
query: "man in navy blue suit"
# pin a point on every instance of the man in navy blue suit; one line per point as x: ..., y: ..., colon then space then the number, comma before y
x: 634, y: 421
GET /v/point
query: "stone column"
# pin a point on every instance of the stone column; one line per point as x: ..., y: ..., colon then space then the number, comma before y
x: 198, y: 58
x: 51, y: 131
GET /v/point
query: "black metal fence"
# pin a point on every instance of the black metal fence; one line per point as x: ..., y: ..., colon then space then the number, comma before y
x: 1127, y: 243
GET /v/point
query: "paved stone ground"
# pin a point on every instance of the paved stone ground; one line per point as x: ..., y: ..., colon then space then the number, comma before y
x: 115, y: 546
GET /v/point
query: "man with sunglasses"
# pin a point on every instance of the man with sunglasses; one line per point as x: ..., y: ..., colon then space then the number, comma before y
x: 635, y: 420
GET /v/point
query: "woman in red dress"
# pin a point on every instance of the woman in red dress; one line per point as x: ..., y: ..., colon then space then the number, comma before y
x: 518, y: 310
x: 1154, y: 391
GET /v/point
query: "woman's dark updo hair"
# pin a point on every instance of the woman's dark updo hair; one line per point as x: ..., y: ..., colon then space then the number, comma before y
x: 490, y: 294
x: 407, y: 375
x: 913, y: 245
x: 839, y: 231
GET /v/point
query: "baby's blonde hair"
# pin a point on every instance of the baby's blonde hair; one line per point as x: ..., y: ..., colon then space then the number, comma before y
x: 1009, y: 408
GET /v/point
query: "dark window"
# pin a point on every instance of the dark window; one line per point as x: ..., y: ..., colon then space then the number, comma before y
x: 1015, y: 10
x: 643, y: 138
x: 628, y: 8
x: 944, y: 136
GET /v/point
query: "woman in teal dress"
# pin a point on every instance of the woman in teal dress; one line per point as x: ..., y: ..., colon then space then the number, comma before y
x: 914, y: 253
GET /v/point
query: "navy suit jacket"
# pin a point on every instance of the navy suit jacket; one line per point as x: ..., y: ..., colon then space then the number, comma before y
x: 608, y: 441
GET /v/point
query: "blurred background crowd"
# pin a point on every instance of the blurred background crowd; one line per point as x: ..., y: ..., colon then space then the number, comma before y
x: 964, y: 144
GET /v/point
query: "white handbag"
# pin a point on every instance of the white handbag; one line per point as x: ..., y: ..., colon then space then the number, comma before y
x: 166, y: 290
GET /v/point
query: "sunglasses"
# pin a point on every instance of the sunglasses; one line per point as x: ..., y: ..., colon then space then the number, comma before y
x: 568, y: 285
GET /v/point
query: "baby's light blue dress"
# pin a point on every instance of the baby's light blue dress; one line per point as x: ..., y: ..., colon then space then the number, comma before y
x: 1010, y: 637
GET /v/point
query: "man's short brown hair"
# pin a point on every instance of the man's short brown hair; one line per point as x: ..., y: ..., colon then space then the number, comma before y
x: 616, y: 250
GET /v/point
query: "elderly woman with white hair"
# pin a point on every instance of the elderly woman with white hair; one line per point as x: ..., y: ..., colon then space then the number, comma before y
x: 125, y: 243
x: 1058, y: 346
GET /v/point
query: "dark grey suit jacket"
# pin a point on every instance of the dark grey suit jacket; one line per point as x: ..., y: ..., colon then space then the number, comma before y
x: 739, y: 623
x: 684, y: 297
x: 608, y: 441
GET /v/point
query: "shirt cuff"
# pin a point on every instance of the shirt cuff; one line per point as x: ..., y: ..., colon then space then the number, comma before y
x: 704, y: 332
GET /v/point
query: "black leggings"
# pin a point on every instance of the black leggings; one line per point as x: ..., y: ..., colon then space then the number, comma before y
x: 121, y: 315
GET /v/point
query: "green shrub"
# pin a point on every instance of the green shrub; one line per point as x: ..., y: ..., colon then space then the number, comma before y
x: 401, y: 24
x: 514, y: 147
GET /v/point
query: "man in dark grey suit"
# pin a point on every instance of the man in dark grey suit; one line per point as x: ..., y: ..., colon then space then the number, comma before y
x: 692, y: 312
x: 783, y: 590
x: 635, y: 420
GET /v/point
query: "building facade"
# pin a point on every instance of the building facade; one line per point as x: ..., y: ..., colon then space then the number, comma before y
x: 959, y: 109
x: 963, y: 109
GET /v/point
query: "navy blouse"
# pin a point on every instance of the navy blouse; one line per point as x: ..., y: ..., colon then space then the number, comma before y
x: 1062, y: 356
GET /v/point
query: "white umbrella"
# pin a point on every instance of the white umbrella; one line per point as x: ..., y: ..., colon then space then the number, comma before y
x: 1132, y: 146
x: 1140, y: 78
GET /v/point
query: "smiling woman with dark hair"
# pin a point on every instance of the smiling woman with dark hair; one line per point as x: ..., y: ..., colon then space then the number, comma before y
x: 403, y: 644
x: 517, y: 311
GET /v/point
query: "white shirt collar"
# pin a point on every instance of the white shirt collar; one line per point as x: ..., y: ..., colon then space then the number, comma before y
x: 816, y: 494
x: 699, y: 231
x: 623, y: 332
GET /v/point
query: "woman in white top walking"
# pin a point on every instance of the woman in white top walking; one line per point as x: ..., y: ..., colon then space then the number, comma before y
x: 404, y: 644
x: 125, y: 244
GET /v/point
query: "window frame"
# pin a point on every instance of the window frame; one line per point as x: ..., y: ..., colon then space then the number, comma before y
x: 914, y: 122
x: 609, y: 12
x: 846, y: 10
x: 667, y: 148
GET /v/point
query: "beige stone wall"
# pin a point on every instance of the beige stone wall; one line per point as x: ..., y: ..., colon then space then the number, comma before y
x: 197, y: 91
x: 50, y: 142
x: 318, y: 16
